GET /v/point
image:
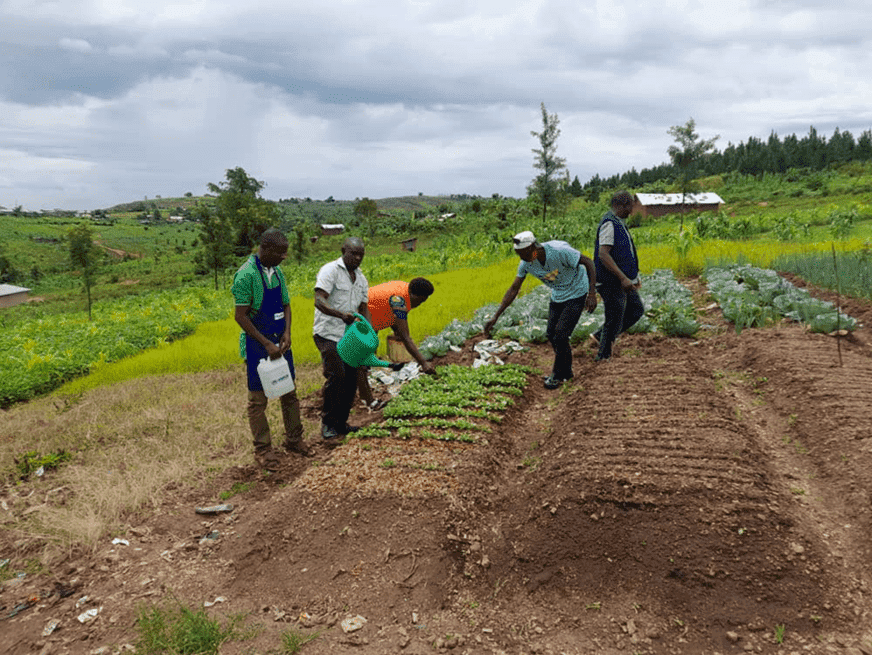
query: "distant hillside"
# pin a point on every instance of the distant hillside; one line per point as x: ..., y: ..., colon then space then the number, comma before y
x: 163, y: 204
x: 404, y: 203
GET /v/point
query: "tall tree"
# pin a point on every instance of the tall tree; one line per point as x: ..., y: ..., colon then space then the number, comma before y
x: 687, y: 155
x: 238, y: 202
x: 546, y: 185
x: 84, y: 255
x: 216, y: 240
x: 366, y: 211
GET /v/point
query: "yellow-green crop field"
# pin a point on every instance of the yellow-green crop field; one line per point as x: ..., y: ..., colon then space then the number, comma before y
x: 174, y: 340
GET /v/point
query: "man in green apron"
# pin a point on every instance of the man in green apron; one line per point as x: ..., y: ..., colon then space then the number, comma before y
x: 263, y: 312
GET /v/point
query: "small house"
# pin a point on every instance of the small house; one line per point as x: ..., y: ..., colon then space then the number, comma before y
x: 661, y: 204
x: 409, y: 244
x: 332, y: 228
x: 11, y: 295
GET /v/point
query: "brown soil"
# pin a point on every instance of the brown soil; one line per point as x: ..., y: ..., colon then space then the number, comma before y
x: 690, y: 496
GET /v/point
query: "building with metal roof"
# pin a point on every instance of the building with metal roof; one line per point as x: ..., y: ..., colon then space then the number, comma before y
x: 11, y: 295
x: 660, y: 204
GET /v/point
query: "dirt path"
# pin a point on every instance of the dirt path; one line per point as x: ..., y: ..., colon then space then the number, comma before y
x: 118, y: 254
x: 690, y: 496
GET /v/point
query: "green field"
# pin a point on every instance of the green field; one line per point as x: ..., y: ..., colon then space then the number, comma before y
x: 780, y: 221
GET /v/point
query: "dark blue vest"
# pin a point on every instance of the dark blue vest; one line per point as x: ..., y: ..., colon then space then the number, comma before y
x: 623, y: 252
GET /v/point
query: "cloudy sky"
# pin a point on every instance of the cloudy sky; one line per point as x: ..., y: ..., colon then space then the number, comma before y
x: 108, y: 101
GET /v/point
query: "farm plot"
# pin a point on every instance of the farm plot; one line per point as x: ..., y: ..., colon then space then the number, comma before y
x: 668, y: 305
x: 690, y: 496
x: 752, y: 297
x: 40, y: 355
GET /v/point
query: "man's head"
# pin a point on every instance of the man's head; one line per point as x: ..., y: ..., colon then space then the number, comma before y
x: 622, y: 204
x: 525, y: 245
x: 352, y: 253
x: 419, y: 290
x: 273, y: 248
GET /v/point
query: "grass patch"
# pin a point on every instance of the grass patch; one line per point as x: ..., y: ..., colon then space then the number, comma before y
x: 127, y: 443
x: 293, y: 641
x: 174, y: 629
x: 237, y: 488
x: 32, y: 462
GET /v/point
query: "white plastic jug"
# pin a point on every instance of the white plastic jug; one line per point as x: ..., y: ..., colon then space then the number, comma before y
x: 275, y: 376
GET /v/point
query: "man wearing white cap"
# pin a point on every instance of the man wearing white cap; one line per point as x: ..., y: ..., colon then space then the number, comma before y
x: 572, y: 279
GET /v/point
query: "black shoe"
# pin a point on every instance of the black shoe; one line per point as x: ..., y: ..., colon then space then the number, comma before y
x: 550, y: 377
x: 328, y: 432
x: 552, y: 382
x: 348, y: 429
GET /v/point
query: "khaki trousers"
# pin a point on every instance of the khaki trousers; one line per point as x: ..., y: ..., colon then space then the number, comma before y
x: 259, y: 425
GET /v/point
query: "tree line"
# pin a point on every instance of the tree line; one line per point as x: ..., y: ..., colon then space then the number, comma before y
x: 752, y: 157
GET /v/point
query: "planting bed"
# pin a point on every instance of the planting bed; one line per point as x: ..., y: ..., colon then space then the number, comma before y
x: 695, y: 495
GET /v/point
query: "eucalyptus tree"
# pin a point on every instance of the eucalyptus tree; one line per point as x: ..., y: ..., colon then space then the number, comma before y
x: 215, y: 239
x: 84, y: 255
x: 687, y: 155
x: 546, y: 186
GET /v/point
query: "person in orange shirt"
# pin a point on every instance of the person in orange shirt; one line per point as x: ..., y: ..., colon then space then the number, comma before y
x: 389, y: 306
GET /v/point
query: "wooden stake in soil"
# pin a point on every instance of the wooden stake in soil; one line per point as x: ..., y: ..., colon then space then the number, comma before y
x: 838, y: 305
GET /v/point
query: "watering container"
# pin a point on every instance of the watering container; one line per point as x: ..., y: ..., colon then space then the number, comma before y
x: 358, y: 345
x: 275, y: 376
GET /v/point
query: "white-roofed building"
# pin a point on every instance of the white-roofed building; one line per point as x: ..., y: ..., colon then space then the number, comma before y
x: 660, y: 204
x: 11, y: 295
x: 332, y: 228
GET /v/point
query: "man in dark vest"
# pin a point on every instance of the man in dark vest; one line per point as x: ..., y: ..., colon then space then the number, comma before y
x: 617, y: 274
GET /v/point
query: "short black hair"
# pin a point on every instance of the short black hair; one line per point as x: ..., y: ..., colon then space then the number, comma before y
x: 273, y: 237
x: 622, y: 199
x: 421, y: 287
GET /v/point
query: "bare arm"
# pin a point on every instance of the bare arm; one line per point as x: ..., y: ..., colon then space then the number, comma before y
x: 606, y: 258
x: 590, y: 301
x: 401, y: 329
x: 322, y: 305
x: 285, y: 343
x: 508, y: 299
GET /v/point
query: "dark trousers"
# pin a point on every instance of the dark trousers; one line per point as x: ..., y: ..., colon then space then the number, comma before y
x: 622, y: 310
x: 340, y: 385
x: 562, y: 319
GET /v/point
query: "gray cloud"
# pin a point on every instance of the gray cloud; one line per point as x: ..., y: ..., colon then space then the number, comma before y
x: 106, y: 103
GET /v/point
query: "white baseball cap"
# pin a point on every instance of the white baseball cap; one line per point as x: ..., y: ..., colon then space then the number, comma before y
x: 523, y: 240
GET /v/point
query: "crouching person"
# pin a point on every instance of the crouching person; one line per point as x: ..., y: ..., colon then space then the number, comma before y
x: 571, y: 277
